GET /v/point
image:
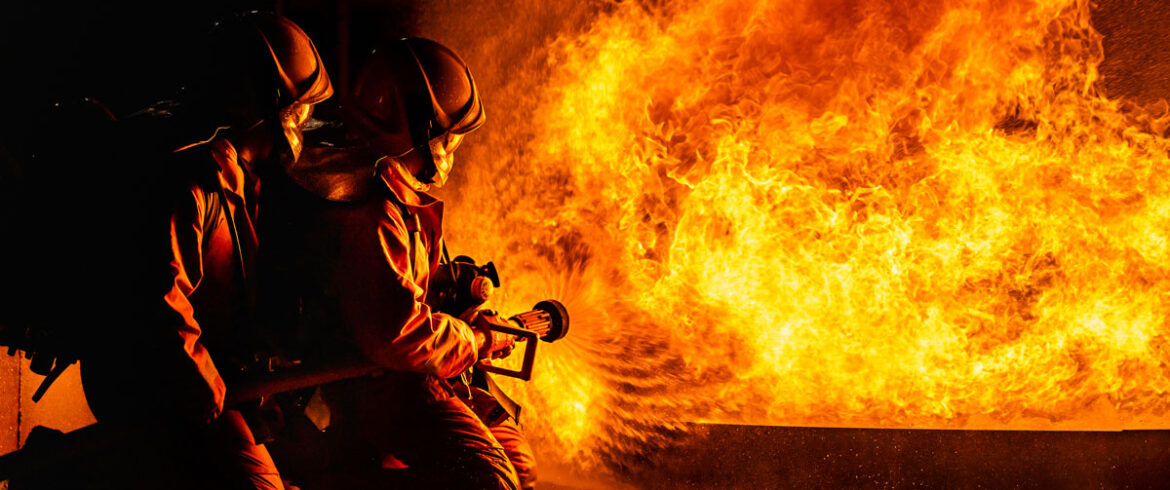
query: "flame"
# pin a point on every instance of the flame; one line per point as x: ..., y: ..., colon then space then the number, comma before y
x: 866, y: 213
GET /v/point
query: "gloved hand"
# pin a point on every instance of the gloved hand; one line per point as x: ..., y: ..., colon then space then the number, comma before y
x: 45, y: 348
x: 49, y: 355
x: 490, y: 344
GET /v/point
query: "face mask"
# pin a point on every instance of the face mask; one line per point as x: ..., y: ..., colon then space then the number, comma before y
x: 442, y: 150
x: 438, y: 158
x: 292, y: 120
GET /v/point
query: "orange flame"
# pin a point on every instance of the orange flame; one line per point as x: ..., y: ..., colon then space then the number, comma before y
x: 874, y: 213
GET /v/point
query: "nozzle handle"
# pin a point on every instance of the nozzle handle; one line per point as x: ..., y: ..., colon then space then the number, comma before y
x: 548, y: 321
x: 525, y: 371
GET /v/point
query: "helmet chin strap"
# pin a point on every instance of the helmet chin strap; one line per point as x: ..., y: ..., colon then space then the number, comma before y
x: 280, y: 149
x: 420, y: 136
x: 429, y: 168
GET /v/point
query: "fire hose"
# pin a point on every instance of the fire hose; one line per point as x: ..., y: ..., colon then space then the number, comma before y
x: 547, y: 321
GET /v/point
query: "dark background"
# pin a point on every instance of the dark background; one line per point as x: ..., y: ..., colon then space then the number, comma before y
x: 130, y: 54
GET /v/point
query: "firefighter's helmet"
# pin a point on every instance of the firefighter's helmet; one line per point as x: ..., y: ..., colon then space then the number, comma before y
x: 414, y: 98
x: 267, y: 70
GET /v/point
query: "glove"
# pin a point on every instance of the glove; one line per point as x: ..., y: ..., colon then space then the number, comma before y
x: 491, y: 344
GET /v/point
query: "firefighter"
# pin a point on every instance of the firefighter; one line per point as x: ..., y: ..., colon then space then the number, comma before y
x: 359, y: 272
x: 170, y: 275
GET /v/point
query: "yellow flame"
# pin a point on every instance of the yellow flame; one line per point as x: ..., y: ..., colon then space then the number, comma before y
x: 875, y: 213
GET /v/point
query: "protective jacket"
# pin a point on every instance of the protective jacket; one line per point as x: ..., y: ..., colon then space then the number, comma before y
x: 183, y: 293
x: 175, y: 316
x: 362, y: 265
x: 358, y: 275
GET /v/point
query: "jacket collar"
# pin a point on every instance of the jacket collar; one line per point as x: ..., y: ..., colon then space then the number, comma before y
x: 403, y: 193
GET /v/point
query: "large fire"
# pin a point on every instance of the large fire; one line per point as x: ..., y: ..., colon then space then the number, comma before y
x: 866, y: 213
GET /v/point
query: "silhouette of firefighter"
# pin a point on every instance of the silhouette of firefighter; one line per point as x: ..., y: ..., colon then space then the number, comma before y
x: 163, y: 264
x: 350, y: 258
